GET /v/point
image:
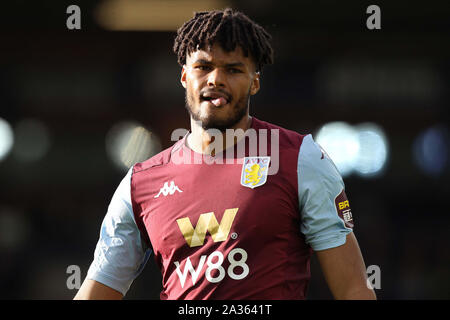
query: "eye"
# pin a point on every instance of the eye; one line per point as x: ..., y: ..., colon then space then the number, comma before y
x: 234, y: 70
x: 203, y: 67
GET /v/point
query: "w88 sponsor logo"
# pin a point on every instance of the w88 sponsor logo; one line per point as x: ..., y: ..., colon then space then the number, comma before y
x: 219, y: 275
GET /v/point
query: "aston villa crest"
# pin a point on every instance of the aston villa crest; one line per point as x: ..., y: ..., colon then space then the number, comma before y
x: 254, y: 171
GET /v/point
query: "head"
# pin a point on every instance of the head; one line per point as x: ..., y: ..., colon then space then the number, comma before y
x: 222, y: 53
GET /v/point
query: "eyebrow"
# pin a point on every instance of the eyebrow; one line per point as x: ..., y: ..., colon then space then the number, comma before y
x: 228, y: 65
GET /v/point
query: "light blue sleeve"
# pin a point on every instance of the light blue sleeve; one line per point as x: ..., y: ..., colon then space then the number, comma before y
x: 120, y: 254
x: 319, y: 183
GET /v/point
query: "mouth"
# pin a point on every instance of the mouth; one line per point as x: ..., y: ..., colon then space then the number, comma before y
x: 216, y: 98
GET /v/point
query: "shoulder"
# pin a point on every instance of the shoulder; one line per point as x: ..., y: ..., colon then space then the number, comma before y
x: 310, y: 151
x: 287, y: 138
x: 157, y: 160
x: 316, y: 170
x: 313, y: 156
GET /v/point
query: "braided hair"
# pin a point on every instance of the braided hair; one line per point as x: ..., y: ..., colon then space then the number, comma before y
x: 228, y: 28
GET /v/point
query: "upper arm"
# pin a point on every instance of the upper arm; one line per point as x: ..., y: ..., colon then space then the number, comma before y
x: 344, y: 270
x: 93, y: 290
x: 327, y: 223
x: 322, y: 198
x: 120, y: 253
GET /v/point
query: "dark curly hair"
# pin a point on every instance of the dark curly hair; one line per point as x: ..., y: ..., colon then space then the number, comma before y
x: 227, y: 27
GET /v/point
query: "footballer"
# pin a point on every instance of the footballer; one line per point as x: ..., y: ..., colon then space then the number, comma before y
x: 229, y: 229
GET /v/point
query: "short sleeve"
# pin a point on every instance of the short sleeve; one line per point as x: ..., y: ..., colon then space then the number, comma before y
x: 321, y: 194
x: 120, y: 254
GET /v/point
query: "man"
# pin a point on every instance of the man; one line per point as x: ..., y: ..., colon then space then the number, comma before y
x: 221, y: 229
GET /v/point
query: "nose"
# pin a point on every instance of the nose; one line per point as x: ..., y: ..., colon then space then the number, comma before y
x: 216, y: 78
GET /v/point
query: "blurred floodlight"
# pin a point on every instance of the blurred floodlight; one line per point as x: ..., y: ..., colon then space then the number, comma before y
x: 431, y: 150
x: 340, y: 141
x: 6, y: 138
x: 373, y: 150
x: 32, y: 140
x: 129, y: 142
x: 155, y: 15
x: 362, y: 149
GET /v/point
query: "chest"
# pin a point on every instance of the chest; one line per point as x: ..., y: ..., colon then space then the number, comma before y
x: 198, y: 208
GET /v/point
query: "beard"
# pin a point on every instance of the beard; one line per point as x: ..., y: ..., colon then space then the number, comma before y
x: 214, y: 120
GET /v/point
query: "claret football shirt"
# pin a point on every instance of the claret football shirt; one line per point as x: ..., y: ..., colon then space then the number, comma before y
x: 239, y: 226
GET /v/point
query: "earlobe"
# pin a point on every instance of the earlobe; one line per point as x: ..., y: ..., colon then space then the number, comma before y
x: 183, y: 77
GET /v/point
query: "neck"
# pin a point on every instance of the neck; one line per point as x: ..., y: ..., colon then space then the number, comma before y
x: 208, y: 141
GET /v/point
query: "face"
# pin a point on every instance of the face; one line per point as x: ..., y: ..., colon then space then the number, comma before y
x: 218, y: 86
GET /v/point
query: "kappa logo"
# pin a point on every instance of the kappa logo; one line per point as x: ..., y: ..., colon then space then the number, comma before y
x: 324, y: 153
x: 168, y: 190
x: 207, y: 222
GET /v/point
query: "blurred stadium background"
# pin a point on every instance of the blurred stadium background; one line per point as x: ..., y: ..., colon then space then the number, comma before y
x: 77, y: 107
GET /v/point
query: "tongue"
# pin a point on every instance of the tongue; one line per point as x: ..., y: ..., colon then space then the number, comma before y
x: 219, y: 101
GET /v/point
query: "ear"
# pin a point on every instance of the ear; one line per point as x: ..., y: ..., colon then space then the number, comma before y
x: 255, y: 84
x: 183, y: 76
